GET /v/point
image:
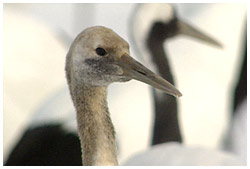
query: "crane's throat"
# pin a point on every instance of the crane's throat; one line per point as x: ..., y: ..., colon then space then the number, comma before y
x: 96, y: 130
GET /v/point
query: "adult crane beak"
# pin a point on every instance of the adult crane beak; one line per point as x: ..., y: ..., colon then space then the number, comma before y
x: 186, y: 29
x: 136, y: 70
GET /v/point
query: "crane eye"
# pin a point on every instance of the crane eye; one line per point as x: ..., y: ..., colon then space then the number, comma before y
x: 100, y: 51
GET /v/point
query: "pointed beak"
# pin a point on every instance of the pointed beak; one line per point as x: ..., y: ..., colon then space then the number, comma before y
x: 189, y: 30
x: 136, y: 70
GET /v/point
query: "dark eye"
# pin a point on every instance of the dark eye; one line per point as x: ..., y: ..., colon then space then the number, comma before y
x: 100, y: 51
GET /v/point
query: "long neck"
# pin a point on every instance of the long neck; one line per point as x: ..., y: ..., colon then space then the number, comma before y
x: 95, y: 128
x: 166, y: 126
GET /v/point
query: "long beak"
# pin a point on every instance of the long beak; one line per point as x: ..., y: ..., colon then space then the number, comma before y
x: 136, y: 70
x: 189, y: 30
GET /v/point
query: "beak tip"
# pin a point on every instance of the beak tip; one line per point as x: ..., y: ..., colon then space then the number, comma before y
x: 178, y: 94
x: 220, y: 46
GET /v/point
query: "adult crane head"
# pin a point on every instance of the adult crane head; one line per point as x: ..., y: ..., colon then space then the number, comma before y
x: 163, y: 19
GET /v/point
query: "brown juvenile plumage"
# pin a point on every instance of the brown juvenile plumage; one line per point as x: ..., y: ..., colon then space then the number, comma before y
x: 96, y: 58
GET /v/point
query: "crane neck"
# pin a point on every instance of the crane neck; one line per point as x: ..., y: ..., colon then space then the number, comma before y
x: 95, y: 129
x: 155, y: 43
x: 166, y: 125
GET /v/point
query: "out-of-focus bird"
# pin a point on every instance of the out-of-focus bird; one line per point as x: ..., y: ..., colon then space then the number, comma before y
x: 149, y: 39
x: 152, y: 26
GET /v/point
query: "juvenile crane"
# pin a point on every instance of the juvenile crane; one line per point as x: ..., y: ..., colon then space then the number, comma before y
x: 96, y: 58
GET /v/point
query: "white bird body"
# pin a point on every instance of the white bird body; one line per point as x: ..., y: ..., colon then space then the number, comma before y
x: 176, y: 154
